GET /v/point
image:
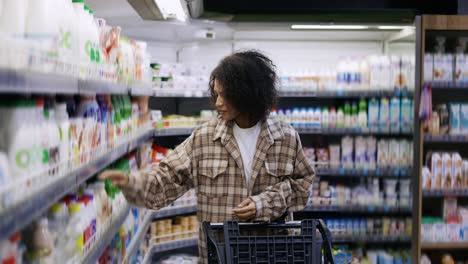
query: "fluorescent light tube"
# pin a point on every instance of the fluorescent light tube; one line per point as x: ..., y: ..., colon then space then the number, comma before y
x: 347, y: 27
x: 172, y: 9
x: 391, y: 27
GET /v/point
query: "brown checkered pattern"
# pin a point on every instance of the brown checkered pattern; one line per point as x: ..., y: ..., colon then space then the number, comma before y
x: 210, y: 161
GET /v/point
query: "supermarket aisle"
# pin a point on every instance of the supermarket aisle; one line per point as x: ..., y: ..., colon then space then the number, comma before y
x: 80, y: 94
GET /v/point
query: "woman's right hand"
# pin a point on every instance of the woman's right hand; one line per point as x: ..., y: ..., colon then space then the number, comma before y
x: 118, y: 178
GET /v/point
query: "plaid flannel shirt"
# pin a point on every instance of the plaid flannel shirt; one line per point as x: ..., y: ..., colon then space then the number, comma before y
x: 210, y: 161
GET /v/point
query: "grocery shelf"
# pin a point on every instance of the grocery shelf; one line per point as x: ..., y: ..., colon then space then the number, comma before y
x: 446, y: 86
x: 444, y: 193
x: 166, y: 132
x: 384, y: 173
x: 31, y: 82
x: 153, y: 215
x: 371, y: 239
x: 357, y: 209
x: 19, y: 216
x: 446, y: 138
x: 188, y: 93
x: 444, y: 245
x: 314, y: 131
x: 292, y: 94
x: 354, y: 131
x: 346, y: 94
x: 104, y: 240
x: 168, y: 246
x: 23, y: 82
x: 173, y: 211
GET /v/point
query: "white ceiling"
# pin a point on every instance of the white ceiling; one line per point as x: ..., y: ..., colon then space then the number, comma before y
x: 120, y: 13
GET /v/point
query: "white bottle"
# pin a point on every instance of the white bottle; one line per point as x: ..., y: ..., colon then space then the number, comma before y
x: 303, y: 117
x: 54, y: 142
x: 13, y: 17
x: 64, y: 132
x: 325, y: 118
x: 296, y: 117
x: 68, y: 37
x: 83, y: 38
x: 5, y: 179
x: 74, y: 230
x: 332, y: 117
x: 42, y: 28
x: 365, y: 74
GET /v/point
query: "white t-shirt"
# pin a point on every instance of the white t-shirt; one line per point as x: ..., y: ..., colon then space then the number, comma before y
x: 247, y: 141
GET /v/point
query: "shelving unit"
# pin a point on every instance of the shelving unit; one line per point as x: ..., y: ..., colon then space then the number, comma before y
x: 445, y: 246
x: 424, y: 201
x: 47, y: 83
x: 168, y: 93
x: 372, y: 239
x: 104, y: 240
x: 354, y: 173
x: 151, y: 216
x: 357, y: 210
x: 20, y: 215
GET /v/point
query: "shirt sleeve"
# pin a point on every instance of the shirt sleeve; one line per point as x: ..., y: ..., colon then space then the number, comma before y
x: 165, y: 183
x: 290, y: 194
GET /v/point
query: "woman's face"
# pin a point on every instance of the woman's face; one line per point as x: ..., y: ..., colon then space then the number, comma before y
x: 227, y: 111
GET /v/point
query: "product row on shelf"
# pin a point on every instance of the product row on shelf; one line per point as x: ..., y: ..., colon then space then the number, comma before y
x: 363, y: 153
x: 448, y: 171
x: 445, y: 258
x: 383, y: 114
x: 69, y: 41
x: 344, y: 254
x: 451, y: 227
x: 45, y: 139
x: 325, y: 194
x: 451, y: 119
x: 446, y: 64
x: 372, y: 73
x: 362, y: 227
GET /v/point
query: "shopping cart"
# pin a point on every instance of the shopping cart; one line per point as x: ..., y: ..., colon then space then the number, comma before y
x: 288, y: 243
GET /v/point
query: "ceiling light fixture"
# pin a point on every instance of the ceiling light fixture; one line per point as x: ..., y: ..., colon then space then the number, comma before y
x: 392, y: 27
x: 172, y: 9
x: 345, y: 27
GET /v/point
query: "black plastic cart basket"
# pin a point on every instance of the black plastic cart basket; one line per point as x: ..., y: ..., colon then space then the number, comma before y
x: 289, y: 243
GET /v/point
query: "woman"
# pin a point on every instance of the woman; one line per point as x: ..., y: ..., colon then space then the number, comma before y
x: 243, y: 165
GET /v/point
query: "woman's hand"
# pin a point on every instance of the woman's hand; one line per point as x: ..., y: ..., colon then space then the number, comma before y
x: 118, y: 178
x: 245, y: 210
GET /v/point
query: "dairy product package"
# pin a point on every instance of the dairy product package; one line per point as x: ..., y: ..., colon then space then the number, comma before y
x: 334, y: 156
x: 406, y: 113
x: 323, y: 158
x: 450, y: 208
x: 395, y: 113
x: 447, y: 176
x: 371, y: 153
x: 384, y: 113
x: 438, y: 73
x: 464, y: 118
x: 395, y: 64
x: 394, y: 153
x: 454, y: 119
x: 309, y: 154
x: 428, y: 67
x: 426, y: 178
x: 347, y: 152
x: 410, y: 155
x: 383, y: 153
x: 436, y: 169
x: 457, y: 171
x: 373, y: 114
x: 461, y: 71
x: 465, y: 173
x: 404, y: 149
x: 360, y: 153
x: 406, y: 73
x: 448, y: 67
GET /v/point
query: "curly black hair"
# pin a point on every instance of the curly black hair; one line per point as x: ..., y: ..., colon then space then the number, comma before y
x: 248, y: 80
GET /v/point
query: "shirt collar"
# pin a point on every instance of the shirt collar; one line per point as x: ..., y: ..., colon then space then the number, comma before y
x: 270, y: 130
